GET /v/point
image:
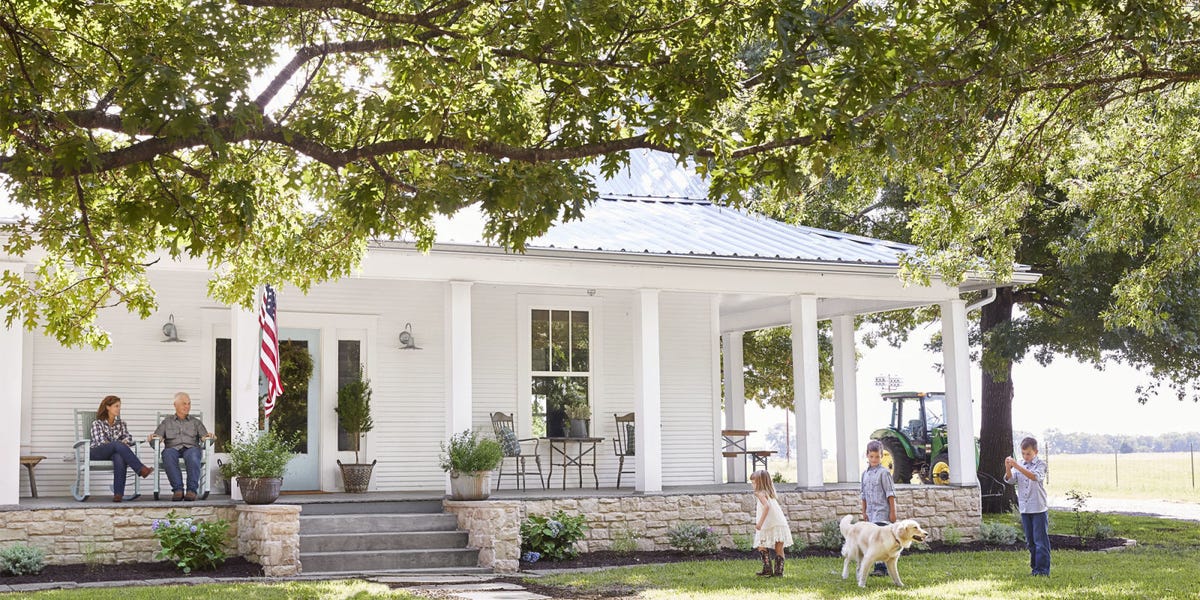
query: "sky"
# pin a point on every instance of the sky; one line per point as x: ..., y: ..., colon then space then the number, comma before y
x: 1066, y: 395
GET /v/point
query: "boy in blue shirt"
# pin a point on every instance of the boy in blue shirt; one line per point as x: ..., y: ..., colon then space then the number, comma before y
x: 1029, y: 475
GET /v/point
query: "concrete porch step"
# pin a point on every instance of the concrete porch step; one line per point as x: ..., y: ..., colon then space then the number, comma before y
x: 373, y: 523
x: 382, y: 540
x: 390, y: 560
x: 372, y: 507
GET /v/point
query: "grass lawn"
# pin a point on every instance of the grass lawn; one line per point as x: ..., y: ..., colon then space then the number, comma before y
x: 1148, y: 531
x: 294, y: 590
x: 1140, y: 573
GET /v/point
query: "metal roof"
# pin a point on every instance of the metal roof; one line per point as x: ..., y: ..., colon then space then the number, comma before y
x: 689, y: 227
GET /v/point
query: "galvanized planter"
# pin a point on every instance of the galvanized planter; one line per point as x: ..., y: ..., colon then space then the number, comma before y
x: 470, y: 486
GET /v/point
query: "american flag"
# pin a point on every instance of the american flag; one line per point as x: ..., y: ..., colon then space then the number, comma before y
x: 268, y: 354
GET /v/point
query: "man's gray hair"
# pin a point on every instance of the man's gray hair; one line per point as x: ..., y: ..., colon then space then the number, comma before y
x: 179, y: 395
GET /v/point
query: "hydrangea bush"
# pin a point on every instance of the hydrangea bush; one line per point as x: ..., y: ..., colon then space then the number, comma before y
x: 551, y: 537
x: 693, y: 538
x: 189, y: 543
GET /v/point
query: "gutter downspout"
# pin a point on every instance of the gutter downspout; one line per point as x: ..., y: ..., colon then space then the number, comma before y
x: 986, y: 300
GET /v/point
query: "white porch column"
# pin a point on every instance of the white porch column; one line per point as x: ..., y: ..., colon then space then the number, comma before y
x: 12, y: 341
x: 458, y: 350
x: 959, y: 418
x: 647, y: 392
x: 243, y: 404
x: 735, y: 397
x: 807, y: 388
x: 845, y: 396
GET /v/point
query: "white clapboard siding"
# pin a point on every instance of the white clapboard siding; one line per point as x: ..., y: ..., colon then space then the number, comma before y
x: 688, y: 433
x: 409, y: 389
x: 137, y: 366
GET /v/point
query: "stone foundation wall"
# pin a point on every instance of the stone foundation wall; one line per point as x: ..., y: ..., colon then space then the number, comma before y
x: 269, y: 534
x: 101, y: 535
x: 494, y: 527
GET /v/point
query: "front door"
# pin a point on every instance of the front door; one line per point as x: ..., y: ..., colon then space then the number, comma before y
x: 298, y: 410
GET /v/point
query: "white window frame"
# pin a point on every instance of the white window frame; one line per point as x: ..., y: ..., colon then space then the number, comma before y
x: 526, y: 304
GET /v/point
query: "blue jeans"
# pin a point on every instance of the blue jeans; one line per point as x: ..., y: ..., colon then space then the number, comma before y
x: 1037, y: 537
x: 122, y: 458
x: 191, y: 459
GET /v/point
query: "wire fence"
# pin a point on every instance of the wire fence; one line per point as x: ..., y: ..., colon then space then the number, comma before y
x: 1148, y: 475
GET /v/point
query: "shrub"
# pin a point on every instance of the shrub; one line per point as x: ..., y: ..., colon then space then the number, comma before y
x: 1086, y: 521
x: 624, y: 541
x: 777, y: 477
x: 743, y: 542
x: 189, y: 543
x: 998, y: 533
x: 553, y: 537
x: 798, y: 545
x: 951, y: 536
x: 831, y: 536
x: 692, y: 538
x: 256, y: 454
x: 22, y: 559
x: 1103, y: 531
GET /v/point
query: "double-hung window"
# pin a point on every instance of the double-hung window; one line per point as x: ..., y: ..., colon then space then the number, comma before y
x: 560, y: 368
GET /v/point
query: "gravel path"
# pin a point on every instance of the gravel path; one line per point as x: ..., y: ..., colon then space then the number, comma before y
x: 1188, y: 511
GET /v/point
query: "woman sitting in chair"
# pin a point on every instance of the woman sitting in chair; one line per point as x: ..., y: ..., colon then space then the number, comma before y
x: 111, y: 441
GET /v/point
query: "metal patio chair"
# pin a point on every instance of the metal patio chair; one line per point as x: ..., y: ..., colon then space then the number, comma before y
x: 623, y: 442
x: 514, y: 448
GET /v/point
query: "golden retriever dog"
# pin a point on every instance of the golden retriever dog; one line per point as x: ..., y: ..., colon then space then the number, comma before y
x: 868, y: 543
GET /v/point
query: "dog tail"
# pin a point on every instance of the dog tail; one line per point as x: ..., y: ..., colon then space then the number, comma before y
x: 845, y: 524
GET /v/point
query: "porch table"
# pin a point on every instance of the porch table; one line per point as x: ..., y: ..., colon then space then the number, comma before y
x: 584, y: 455
x: 734, y: 446
x: 29, y: 462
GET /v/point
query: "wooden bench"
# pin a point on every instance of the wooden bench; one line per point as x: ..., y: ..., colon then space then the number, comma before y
x: 757, y: 457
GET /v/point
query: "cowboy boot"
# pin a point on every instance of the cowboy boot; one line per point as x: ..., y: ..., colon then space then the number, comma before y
x: 766, y: 562
x: 778, y: 565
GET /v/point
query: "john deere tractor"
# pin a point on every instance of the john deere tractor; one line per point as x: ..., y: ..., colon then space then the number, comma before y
x: 916, y: 443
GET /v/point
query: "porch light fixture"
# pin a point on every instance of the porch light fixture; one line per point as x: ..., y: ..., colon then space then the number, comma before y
x: 406, y: 339
x: 170, y: 331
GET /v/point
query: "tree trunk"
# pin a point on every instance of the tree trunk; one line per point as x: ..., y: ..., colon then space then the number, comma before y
x: 995, y: 426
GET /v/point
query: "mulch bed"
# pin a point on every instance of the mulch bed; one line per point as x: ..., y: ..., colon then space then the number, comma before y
x: 608, y: 558
x: 80, y: 573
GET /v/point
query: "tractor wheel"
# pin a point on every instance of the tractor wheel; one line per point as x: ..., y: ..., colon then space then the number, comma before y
x: 897, y: 460
x: 940, y: 471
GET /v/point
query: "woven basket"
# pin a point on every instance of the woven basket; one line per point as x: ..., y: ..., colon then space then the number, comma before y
x: 356, y: 477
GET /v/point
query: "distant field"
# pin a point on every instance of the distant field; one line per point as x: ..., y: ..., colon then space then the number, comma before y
x: 1149, y: 476
x: 1144, y: 476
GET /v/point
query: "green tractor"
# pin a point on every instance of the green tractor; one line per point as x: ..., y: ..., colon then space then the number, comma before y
x: 916, y: 446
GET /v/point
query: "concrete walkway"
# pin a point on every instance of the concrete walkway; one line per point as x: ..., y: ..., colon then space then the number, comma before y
x: 1186, y: 511
x: 466, y: 587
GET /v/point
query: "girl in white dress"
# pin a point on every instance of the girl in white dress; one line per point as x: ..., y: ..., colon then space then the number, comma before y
x: 770, y: 525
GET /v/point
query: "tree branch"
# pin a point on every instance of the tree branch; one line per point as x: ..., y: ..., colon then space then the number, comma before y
x: 422, y: 18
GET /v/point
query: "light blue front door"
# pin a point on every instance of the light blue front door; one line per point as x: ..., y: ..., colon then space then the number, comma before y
x: 297, y: 411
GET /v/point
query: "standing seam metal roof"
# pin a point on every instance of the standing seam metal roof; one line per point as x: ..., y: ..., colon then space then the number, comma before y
x: 685, y: 226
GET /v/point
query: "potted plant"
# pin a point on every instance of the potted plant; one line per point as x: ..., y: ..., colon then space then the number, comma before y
x: 354, y: 416
x: 578, y: 413
x: 470, y: 460
x: 257, y: 462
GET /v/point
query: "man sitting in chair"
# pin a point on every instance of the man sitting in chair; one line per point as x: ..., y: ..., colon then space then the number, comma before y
x: 181, y: 436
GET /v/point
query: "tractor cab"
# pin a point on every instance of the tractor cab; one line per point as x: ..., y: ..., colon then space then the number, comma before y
x: 915, y: 442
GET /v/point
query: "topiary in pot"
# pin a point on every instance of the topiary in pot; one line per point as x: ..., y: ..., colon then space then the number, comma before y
x: 354, y: 416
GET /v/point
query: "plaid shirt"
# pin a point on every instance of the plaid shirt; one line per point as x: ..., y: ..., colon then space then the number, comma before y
x: 103, y: 433
x: 1031, y: 493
